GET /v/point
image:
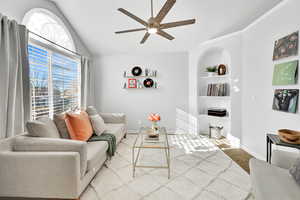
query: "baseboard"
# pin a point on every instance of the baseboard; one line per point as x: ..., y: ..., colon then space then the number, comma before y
x: 256, y: 155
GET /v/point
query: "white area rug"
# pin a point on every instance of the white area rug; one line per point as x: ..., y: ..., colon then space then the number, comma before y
x: 199, y: 171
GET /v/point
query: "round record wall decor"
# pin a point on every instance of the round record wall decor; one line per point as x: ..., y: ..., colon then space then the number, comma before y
x: 148, y: 83
x: 136, y: 71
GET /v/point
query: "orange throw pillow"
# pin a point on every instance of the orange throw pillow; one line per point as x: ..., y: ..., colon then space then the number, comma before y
x: 79, y: 126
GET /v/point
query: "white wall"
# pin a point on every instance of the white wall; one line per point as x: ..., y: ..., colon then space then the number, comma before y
x: 16, y: 9
x: 170, y: 99
x: 258, y: 116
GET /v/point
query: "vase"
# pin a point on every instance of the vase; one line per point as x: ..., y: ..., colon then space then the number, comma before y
x: 155, y: 127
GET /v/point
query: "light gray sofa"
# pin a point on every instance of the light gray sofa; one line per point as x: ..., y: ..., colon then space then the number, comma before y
x: 273, y: 181
x: 34, y: 167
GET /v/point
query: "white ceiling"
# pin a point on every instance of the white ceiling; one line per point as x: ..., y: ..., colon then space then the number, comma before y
x: 96, y: 21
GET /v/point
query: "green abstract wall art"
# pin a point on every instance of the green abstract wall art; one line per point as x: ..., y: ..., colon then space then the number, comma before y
x: 286, y: 73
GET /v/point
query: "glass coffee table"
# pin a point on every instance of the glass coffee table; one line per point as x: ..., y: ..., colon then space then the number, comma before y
x: 142, y: 142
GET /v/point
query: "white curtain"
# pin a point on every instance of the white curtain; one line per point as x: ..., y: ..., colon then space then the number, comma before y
x: 14, y: 78
x: 86, y: 83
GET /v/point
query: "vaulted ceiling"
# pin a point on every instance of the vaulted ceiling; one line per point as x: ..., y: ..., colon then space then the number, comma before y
x: 96, y: 21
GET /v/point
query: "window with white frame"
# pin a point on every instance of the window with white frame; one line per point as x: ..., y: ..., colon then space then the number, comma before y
x: 54, y: 73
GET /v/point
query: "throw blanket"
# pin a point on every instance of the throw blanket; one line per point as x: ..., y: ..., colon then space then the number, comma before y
x: 110, y: 139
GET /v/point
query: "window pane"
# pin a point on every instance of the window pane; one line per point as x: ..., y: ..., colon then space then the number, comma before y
x: 65, y: 74
x: 39, y: 75
x: 55, y: 82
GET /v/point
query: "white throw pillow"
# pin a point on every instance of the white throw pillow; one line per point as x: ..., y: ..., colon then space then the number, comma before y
x: 98, y: 124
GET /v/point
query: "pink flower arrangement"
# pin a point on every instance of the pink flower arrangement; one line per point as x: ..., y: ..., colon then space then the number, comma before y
x: 154, y: 117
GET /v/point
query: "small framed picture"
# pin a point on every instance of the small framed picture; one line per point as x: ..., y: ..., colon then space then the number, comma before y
x: 132, y: 83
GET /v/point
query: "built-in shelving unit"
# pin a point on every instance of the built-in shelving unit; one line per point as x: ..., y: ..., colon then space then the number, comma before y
x: 208, y: 97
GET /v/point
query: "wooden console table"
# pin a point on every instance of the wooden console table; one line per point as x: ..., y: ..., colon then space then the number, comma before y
x: 274, y: 139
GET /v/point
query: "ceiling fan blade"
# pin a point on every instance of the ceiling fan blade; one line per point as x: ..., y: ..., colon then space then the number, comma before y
x: 146, y: 36
x: 129, y: 14
x: 165, y: 35
x: 131, y: 30
x: 179, y: 23
x: 165, y: 10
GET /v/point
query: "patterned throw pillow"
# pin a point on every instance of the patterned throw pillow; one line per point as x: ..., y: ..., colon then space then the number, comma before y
x: 295, y: 171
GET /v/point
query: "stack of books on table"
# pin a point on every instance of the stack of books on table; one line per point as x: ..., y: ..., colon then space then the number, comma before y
x: 218, y: 112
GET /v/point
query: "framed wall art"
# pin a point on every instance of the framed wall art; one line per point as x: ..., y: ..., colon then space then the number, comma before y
x: 132, y: 83
x: 286, y: 46
x: 286, y: 73
x: 286, y: 100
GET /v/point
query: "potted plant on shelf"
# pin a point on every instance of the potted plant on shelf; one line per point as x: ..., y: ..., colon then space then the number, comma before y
x: 211, y: 71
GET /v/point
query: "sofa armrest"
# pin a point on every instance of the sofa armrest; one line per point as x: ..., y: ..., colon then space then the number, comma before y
x: 114, y: 118
x: 40, y: 174
x: 35, y: 144
x: 284, y: 159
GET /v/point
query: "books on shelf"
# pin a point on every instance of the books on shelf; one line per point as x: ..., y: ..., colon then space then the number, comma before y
x: 218, y: 89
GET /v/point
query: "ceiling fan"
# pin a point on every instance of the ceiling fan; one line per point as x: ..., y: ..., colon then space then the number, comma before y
x: 154, y: 24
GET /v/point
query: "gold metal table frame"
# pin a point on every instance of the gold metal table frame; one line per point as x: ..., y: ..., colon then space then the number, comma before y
x: 141, y: 143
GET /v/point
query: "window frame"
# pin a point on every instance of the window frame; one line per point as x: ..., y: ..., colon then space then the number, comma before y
x: 52, y: 49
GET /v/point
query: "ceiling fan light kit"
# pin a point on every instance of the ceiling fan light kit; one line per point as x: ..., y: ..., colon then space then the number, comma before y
x: 154, y: 24
x: 152, y: 30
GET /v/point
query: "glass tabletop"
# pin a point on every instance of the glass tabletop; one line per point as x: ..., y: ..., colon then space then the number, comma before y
x: 144, y: 141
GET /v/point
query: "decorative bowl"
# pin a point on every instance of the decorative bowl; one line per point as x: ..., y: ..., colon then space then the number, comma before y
x: 289, y: 136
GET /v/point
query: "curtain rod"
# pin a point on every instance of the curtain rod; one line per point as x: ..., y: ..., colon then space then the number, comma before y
x: 55, y: 44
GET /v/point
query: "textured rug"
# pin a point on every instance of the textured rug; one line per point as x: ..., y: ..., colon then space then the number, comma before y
x: 238, y: 155
x: 199, y: 171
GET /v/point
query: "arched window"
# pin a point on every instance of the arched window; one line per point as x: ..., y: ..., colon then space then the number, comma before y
x: 48, y: 25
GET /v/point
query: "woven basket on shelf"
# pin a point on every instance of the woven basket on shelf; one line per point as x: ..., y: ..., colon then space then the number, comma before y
x: 289, y: 136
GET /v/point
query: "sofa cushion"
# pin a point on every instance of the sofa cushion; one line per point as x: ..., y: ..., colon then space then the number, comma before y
x: 79, y: 126
x: 117, y: 129
x: 59, y: 120
x: 98, y: 124
x: 295, y: 171
x: 43, y: 127
x: 272, y: 182
x: 95, y: 152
